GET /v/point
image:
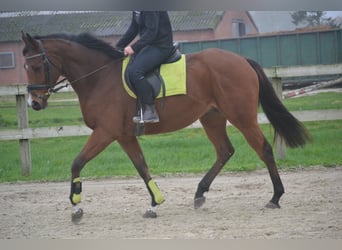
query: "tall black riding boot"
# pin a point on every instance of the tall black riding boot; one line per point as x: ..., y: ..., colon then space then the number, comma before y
x: 145, y: 94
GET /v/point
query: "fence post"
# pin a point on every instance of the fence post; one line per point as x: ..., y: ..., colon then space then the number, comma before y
x: 280, y: 143
x: 24, y: 144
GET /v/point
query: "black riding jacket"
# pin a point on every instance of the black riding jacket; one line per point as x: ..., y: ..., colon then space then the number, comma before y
x: 153, y: 27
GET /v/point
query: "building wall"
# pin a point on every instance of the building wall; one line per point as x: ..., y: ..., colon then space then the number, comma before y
x: 13, y: 75
x: 225, y: 27
x: 190, y: 36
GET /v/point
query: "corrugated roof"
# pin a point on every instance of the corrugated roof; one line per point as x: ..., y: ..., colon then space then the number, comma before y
x: 104, y: 23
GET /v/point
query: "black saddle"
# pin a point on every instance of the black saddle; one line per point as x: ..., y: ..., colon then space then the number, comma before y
x: 154, y: 78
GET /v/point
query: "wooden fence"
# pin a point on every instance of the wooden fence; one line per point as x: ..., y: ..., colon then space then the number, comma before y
x: 23, y: 134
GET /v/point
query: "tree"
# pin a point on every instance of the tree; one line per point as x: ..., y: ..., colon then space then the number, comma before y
x: 309, y: 18
x: 336, y: 22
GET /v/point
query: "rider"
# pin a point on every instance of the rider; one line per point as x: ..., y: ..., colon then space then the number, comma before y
x: 151, y: 49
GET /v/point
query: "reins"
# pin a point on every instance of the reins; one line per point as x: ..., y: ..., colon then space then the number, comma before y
x: 56, y: 89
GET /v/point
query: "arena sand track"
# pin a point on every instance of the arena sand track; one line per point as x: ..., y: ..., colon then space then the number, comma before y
x: 113, y: 208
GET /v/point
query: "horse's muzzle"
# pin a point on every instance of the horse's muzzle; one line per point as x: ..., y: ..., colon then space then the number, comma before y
x: 36, y: 105
x: 37, y: 102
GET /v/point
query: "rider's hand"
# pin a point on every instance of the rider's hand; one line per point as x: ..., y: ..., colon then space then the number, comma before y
x: 128, y: 51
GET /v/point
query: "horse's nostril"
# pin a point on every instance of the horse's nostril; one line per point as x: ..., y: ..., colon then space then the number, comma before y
x: 35, y: 105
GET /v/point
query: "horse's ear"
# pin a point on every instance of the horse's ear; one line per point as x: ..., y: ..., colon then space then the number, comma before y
x: 23, y: 37
x: 27, y: 39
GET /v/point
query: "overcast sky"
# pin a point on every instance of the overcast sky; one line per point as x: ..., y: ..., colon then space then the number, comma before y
x: 334, y: 13
x: 329, y: 13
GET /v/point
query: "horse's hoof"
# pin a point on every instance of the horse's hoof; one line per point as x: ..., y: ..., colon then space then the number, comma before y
x: 77, y: 215
x: 199, y: 202
x: 272, y: 205
x: 150, y: 214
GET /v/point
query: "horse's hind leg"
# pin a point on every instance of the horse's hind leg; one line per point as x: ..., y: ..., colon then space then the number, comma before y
x: 258, y: 142
x: 214, y: 125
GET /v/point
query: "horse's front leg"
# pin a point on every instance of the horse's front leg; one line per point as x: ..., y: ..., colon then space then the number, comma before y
x: 96, y: 143
x: 131, y: 146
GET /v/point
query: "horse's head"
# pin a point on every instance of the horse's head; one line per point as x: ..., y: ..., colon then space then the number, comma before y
x: 41, y: 76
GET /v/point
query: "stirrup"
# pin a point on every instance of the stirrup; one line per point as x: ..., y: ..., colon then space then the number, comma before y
x: 154, y: 120
x: 139, y: 119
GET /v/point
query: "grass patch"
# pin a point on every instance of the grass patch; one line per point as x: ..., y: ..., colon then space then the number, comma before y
x: 327, y: 100
x: 184, y: 151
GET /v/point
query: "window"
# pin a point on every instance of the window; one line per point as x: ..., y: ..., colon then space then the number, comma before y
x: 7, y: 60
x: 239, y: 28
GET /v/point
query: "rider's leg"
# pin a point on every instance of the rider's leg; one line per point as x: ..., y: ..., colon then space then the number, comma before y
x: 144, y: 62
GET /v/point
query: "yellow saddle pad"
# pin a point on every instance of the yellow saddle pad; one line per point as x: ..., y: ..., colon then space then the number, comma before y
x: 173, y: 74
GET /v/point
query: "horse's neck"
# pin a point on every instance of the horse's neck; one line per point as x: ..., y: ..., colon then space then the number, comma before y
x: 80, y: 60
x: 86, y: 71
x: 79, y: 63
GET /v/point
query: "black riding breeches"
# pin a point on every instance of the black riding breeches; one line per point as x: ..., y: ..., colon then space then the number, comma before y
x: 144, y: 62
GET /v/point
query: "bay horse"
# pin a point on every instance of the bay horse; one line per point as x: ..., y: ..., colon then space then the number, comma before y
x: 221, y: 86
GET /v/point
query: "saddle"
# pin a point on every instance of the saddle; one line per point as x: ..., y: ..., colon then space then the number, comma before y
x: 154, y: 78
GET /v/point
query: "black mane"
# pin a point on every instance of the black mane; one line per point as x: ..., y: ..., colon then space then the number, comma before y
x: 88, y: 41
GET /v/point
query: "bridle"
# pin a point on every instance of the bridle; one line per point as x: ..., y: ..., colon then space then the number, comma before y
x: 51, y: 87
x: 46, y: 63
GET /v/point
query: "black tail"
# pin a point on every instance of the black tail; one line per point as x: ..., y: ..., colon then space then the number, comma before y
x: 284, y: 123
